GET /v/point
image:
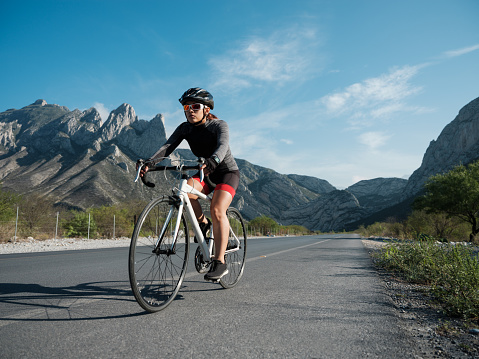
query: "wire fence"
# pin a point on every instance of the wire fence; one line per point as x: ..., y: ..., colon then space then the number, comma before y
x: 89, y: 226
x: 66, y: 224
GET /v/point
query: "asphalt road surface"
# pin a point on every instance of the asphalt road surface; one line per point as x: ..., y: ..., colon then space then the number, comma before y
x: 300, y: 297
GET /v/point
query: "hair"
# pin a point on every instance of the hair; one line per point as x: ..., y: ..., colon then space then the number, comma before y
x: 212, y: 117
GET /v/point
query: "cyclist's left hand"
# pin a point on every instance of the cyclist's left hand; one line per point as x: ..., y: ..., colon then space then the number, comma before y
x: 209, y: 166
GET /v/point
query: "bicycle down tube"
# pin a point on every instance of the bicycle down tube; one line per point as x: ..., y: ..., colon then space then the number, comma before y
x: 183, y: 199
x: 186, y: 204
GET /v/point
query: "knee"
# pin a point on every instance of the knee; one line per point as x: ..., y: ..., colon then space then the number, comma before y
x: 217, y: 213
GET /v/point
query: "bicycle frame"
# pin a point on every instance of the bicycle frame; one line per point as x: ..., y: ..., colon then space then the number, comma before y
x: 183, y: 203
x: 158, y: 257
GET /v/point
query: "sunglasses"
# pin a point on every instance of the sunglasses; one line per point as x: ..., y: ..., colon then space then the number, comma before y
x: 194, y: 107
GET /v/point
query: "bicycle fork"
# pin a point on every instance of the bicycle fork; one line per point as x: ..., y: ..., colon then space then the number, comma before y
x: 175, y: 203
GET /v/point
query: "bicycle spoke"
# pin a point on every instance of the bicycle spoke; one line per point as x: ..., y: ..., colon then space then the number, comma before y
x: 235, y: 257
x: 156, y: 278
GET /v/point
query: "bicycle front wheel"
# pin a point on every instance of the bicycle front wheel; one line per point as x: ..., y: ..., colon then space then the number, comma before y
x: 157, y: 262
x: 236, y: 249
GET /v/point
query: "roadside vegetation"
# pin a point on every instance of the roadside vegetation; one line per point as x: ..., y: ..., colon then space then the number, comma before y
x: 451, y: 271
x: 37, y: 217
x: 265, y: 226
x: 437, y: 244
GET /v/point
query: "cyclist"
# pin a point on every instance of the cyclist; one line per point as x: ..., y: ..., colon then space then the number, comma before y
x: 207, y: 137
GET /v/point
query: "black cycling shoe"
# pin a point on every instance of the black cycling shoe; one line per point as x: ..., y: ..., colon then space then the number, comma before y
x: 205, y: 227
x: 217, y: 270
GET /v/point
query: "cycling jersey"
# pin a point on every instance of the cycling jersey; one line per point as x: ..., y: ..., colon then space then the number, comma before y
x: 205, y: 140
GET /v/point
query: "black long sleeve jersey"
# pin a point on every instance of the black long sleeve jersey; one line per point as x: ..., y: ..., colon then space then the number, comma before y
x: 205, y: 140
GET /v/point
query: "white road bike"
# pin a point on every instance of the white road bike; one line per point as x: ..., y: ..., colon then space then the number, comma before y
x: 160, y: 242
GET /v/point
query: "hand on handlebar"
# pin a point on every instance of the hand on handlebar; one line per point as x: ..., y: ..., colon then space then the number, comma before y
x: 144, y: 167
x: 143, y: 170
x: 209, y: 166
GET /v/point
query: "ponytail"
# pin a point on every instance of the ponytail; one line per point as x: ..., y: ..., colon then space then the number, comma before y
x: 211, y: 117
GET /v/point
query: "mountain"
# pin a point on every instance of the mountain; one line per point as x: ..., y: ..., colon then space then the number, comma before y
x: 80, y: 161
x: 74, y: 157
x: 378, y: 193
x: 458, y: 143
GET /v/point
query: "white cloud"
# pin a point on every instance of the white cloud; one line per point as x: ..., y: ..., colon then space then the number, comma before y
x: 283, y: 56
x: 104, y: 112
x: 376, y: 97
x: 374, y: 139
x: 463, y: 51
x: 288, y: 142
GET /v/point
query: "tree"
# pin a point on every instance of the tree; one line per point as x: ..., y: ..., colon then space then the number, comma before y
x: 7, y: 205
x: 455, y: 193
x: 123, y: 219
x: 440, y: 225
x: 264, y: 223
x: 37, y: 214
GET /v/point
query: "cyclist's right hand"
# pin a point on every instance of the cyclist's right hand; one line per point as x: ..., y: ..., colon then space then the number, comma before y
x: 145, y: 165
x: 143, y: 170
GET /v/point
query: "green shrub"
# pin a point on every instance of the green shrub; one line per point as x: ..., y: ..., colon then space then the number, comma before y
x: 451, y: 270
x: 457, y: 283
x: 78, y: 225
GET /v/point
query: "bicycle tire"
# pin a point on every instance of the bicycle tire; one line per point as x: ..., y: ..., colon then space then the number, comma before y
x: 235, y: 260
x: 156, y: 278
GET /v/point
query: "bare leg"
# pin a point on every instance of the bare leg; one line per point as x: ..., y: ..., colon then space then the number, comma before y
x: 221, y: 227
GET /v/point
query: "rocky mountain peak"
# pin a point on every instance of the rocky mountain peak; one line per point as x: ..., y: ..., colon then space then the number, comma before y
x: 118, y: 120
x: 92, y: 115
x: 158, y: 119
x: 458, y: 143
x: 39, y: 103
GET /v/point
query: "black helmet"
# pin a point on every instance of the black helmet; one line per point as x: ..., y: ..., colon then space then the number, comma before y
x: 198, y: 95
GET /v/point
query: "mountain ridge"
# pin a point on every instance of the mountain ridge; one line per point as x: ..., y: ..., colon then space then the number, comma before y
x: 81, y: 161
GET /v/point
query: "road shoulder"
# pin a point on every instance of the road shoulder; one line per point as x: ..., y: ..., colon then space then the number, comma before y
x: 437, y: 335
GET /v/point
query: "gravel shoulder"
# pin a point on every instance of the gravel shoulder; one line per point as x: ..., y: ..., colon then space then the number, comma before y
x: 31, y: 245
x: 437, y: 335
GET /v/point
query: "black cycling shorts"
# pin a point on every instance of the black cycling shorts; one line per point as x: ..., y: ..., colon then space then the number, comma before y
x: 225, y: 181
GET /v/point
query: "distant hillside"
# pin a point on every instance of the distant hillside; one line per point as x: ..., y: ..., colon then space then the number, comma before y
x: 458, y: 143
x: 80, y: 161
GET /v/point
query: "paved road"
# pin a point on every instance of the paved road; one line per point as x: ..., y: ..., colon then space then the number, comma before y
x: 305, y: 297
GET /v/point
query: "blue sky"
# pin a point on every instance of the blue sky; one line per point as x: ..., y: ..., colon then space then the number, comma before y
x: 340, y: 90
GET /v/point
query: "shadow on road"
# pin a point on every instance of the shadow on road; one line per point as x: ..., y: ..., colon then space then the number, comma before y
x: 39, y: 303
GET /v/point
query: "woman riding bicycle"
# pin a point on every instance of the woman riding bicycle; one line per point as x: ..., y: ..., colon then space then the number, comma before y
x: 207, y: 137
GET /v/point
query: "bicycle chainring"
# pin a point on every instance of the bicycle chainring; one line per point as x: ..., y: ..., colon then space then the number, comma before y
x: 200, y: 265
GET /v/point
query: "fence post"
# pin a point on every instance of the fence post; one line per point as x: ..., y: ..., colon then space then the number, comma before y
x: 113, y: 226
x: 88, y: 226
x: 56, y: 228
x: 16, y: 227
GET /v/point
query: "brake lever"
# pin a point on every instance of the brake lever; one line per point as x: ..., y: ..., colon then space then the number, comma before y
x: 138, y: 172
x: 140, y: 164
x: 201, y: 161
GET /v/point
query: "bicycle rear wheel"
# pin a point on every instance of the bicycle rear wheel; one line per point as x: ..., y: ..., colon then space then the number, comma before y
x: 235, y: 260
x: 157, y: 266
